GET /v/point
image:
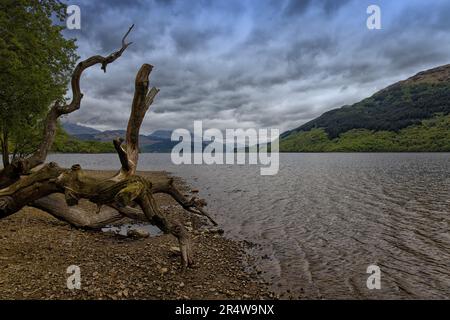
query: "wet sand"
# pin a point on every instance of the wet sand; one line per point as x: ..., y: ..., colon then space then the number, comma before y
x: 36, y: 250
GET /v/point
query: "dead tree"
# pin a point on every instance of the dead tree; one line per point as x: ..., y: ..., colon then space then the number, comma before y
x: 56, y: 190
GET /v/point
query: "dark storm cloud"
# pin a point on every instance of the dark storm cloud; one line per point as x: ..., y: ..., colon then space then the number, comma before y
x: 298, y: 7
x: 252, y: 63
x: 187, y: 41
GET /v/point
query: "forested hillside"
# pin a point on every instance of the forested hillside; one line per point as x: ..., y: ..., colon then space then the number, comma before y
x: 390, y: 120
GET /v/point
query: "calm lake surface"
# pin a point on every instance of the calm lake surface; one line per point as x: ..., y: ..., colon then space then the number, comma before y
x: 324, y: 218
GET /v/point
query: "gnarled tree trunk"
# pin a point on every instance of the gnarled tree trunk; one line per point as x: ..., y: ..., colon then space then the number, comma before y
x: 58, y: 190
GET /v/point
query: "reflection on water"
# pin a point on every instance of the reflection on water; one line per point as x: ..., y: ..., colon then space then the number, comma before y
x: 124, y: 229
x: 326, y: 217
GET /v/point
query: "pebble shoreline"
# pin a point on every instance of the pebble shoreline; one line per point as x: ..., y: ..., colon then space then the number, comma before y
x: 36, y: 250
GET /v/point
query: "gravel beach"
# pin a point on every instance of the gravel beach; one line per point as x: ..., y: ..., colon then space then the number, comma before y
x: 36, y: 250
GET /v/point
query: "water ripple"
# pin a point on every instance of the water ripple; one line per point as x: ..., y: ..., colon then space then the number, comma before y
x: 325, y: 218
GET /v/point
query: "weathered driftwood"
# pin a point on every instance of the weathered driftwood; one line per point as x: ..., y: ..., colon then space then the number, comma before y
x: 58, y: 191
x: 15, y: 169
x: 75, y: 184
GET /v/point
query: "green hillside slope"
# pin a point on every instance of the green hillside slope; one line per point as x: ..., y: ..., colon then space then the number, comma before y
x: 432, y: 135
x: 386, y: 121
x: 65, y: 143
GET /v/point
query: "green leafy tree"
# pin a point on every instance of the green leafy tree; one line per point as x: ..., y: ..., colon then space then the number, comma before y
x: 35, y: 64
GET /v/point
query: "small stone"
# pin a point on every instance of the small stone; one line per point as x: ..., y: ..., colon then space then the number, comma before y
x: 137, y: 233
x: 175, y: 250
x: 164, y: 270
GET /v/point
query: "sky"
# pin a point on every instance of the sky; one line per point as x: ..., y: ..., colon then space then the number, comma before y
x: 251, y: 63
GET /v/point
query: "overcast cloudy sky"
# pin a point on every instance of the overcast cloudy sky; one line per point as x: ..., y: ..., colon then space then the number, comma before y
x: 254, y: 63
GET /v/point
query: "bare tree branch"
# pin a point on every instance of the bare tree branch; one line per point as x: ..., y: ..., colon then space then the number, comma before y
x: 23, y: 166
x: 143, y: 98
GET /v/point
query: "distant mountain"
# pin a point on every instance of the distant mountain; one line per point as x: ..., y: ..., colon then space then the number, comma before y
x: 161, y: 134
x: 410, y: 115
x: 158, y: 141
x: 74, y: 129
x: 66, y: 143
